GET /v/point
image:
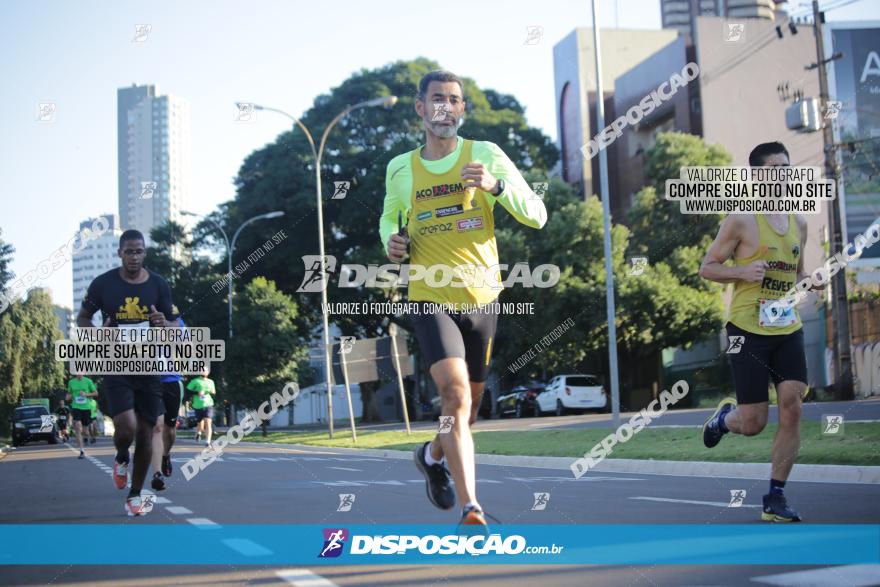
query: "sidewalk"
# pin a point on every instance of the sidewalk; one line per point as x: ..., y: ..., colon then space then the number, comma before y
x: 803, y: 473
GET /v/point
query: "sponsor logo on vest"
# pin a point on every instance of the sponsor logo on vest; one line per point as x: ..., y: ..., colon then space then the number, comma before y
x: 424, y: 215
x: 781, y: 266
x: 470, y: 224
x: 449, y: 210
x: 436, y: 228
x: 776, y: 284
x: 444, y: 189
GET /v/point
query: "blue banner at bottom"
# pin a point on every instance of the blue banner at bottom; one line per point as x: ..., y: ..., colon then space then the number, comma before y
x: 134, y: 543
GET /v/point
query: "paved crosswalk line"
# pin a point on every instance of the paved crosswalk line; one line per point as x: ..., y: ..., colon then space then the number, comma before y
x: 720, y: 504
x: 304, y: 578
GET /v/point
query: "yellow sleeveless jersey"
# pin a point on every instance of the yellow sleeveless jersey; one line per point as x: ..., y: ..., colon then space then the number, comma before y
x: 750, y: 303
x: 452, y: 235
x: 449, y: 226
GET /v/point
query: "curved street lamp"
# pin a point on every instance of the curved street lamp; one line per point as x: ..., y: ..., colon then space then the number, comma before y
x: 230, y: 246
x: 386, y: 101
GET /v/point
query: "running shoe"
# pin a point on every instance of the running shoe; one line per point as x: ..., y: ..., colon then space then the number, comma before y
x: 166, y: 465
x: 120, y: 474
x: 711, y: 430
x: 473, y: 521
x: 440, y: 491
x: 198, y: 436
x: 158, y: 482
x: 82, y: 454
x: 134, y: 506
x: 776, y: 509
x: 473, y: 516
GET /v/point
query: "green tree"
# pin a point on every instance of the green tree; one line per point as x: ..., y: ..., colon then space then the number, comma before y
x: 280, y: 176
x: 658, y: 228
x: 6, y: 252
x: 268, y: 350
x: 28, y: 367
x: 668, y: 305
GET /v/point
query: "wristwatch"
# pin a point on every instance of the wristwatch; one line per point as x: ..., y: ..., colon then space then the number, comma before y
x: 500, y: 186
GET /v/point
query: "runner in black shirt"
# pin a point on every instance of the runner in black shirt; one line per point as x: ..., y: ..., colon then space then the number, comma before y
x: 131, y: 295
x: 63, y: 413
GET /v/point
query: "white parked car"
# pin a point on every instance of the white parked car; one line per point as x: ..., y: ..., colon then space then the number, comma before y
x: 566, y: 393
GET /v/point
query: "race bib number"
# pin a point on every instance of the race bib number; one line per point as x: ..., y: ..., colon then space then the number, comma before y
x: 80, y: 399
x: 775, y: 315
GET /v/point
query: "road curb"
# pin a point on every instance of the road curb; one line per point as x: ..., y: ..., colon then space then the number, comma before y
x: 811, y: 473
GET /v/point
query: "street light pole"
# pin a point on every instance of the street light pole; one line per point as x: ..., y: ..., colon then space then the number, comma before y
x: 606, y: 216
x: 386, y: 101
x: 230, y: 247
x: 843, y: 387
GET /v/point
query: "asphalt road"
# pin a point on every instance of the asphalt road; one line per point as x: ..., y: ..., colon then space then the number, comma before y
x: 274, y: 485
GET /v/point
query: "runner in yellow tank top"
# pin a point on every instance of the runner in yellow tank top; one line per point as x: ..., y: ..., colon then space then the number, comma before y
x: 448, y: 190
x: 768, y: 259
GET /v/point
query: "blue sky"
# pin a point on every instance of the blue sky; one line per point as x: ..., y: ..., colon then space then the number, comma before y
x: 282, y: 54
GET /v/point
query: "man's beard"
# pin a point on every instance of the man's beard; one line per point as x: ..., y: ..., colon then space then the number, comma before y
x: 446, y: 132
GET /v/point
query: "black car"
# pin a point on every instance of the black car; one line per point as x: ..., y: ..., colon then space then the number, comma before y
x: 30, y: 423
x: 519, y: 401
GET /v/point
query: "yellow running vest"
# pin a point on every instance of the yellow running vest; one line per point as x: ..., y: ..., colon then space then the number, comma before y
x: 450, y: 227
x: 782, y: 253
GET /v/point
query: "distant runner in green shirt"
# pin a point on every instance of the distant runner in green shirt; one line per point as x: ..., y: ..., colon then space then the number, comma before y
x: 80, y: 390
x: 93, y: 426
x: 203, y: 403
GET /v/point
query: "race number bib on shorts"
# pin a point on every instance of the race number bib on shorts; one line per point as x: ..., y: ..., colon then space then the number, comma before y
x: 772, y: 314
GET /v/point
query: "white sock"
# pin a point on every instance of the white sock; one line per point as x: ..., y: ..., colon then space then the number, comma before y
x: 471, y: 504
x: 429, y: 459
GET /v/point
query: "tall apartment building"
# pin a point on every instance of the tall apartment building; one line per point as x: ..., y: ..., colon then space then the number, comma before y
x: 98, y: 256
x: 680, y: 14
x: 154, y: 155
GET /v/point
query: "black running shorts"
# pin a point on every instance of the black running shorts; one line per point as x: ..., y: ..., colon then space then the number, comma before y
x: 84, y: 417
x: 202, y: 413
x: 143, y: 393
x: 779, y: 357
x: 172, y: 395
x: 468, y: 336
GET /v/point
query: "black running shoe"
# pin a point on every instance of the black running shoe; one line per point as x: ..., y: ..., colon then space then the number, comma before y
x: 82, y: 454
x: 158, y: 482
x: 712, y: 433
x: 440, y: 491
x: 166, y: 465
x: 776, y: 509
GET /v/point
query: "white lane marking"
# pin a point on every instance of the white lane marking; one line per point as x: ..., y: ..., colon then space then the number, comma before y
x: 204, y: 523
x: 346, y: 469
x: 178, y: 510
x: 584, y: 478
x: 720, y: 504
x: 162, y: 500
x: 845, y: 576
x: 246, y: 547
x: 304, y: 578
